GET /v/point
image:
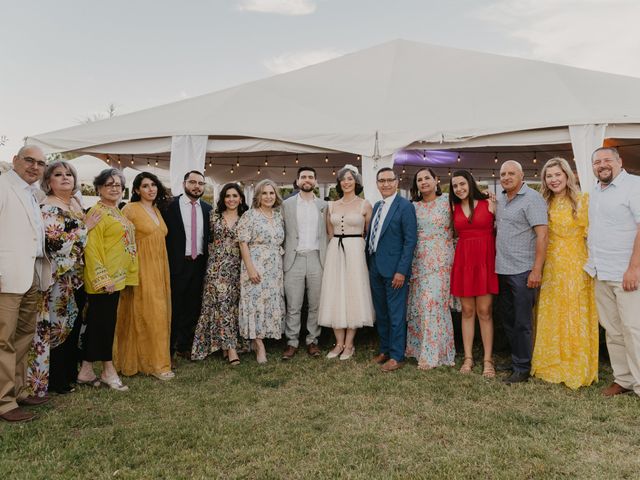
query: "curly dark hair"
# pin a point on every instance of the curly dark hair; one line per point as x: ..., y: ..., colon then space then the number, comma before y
x: 221, y: 207
x: 416, y: 196
x: 474, y: 191
x: 161, y: 200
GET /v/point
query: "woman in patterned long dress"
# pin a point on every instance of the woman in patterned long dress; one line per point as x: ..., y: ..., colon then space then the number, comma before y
x: 111, y: 264
x: 261, y: 233
x: 53, y: 362
x: 566, y: 344
x: 217, y: 327
x: 429, y: 325
x: 144, y: 311
x: 345, y: 298
x: 473, y: 276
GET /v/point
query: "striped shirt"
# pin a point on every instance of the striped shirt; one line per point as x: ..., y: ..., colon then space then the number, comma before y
x: 516, y: 238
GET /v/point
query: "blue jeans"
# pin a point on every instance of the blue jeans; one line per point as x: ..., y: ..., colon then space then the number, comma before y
x: 515, y: 304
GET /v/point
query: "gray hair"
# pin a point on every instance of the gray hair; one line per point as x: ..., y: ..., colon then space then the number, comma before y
x: 255, y: 203
x: 613, y: 150
x: 105, y: 175
x: 46, y: 186
x: 515, y: 164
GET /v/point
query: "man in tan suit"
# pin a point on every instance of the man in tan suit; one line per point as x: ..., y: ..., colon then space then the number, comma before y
x: 24, y: 273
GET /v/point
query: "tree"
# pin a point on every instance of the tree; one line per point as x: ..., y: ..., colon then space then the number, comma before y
x: 96, y: 117
x: 3, y: 140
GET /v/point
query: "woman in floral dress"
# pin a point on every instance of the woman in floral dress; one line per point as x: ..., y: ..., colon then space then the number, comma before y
x: 566, y: 346
x: 429, y: 325
x: 53, y: 364
x: 217, y: 326
x: 261, y: 233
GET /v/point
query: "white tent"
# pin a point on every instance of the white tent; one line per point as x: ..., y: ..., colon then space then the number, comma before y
x: 373, y: 103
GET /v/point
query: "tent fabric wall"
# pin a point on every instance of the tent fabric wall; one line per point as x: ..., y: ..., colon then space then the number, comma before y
x: 584, y: 140
x: 188, y: 152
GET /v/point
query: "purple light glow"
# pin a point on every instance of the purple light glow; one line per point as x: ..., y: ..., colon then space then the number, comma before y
x: 434, y: 157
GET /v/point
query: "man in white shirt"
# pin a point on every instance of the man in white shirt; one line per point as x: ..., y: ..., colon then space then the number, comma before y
x: 187, y: 219
x: 614, y: 261
x: 24, y: 273
x: 305, y: 246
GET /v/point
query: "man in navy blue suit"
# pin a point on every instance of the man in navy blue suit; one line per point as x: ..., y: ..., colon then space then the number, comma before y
x: 391, y: 240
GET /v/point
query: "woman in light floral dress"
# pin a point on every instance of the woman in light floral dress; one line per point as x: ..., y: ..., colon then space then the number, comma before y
x: 261, y: 233
x: 429, y: 325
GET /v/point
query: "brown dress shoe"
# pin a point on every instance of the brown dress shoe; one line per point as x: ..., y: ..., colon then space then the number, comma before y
x: 380, y: 358
x: 313, y: 350
x: 33, y: 401
x: 614, y: 389
x: 289, y: 352
x: 391, y: 365
x: 17, y: 415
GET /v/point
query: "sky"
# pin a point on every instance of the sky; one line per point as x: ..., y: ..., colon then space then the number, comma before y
x: 63, y: 61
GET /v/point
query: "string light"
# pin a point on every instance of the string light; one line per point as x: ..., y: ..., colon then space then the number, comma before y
x: 238, y: 161
x: 156, y: 162
x: 535, y: 174
x: 258, y: 170
x: 358, y: 158
x: 458, y: 158
x: 403, y: 170
x: 326, y: 159
x: 296, y: 159
x: 495, y: 159
x: 333, y: 172
x: 148, y: 163
x: 493, y: 173
x: 449, y: 172
x: 266, y: 161
x: 284, y: 171
x: 210, y: 162
x: 535, y: 160
x: 131, y: 159
x: 424, y: 155
x: 118, y: 159
x: 231, y: 171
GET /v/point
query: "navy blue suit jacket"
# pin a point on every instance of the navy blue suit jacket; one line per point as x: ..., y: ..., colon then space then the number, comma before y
x: 397, y: 239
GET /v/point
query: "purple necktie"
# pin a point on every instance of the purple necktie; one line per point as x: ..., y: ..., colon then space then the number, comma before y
x: 194, y: 231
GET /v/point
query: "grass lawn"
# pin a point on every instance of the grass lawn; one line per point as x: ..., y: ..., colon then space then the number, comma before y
x: 315, y: 418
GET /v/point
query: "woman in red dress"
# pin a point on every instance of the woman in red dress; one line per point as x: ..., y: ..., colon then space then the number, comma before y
x: 473, y: 276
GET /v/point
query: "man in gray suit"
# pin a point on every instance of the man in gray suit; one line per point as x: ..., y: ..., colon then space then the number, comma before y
x: 305, y: 246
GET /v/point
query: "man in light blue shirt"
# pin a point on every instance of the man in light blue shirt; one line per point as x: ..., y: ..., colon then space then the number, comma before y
x: 614, y: 261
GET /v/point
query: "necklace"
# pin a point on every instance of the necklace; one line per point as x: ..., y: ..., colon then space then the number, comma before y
x: 68, y: 204
x: 350, y: 201
x: 265, y: 215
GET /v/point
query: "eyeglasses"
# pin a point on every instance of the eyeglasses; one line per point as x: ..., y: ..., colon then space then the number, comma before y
x: 387, y: 181
x: 195, y: 182
x: 117, y: 186
x: 33, y: 162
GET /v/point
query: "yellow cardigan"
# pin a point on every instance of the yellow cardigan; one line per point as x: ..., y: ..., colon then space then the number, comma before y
x: 110, y: 254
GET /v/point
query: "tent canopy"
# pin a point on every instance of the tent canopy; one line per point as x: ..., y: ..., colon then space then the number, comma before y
x: 375, y: 103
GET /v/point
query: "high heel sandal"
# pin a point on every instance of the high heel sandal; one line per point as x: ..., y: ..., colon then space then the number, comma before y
x: 467, y: 365
x: 336, y: 352
x: 489, y: 369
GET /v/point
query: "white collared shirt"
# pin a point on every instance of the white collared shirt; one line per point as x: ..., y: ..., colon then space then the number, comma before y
x: 386, y: 205
x: 614, y: 216
x: 307, y: 220
x: 28, y: 194
x: 185, y: 211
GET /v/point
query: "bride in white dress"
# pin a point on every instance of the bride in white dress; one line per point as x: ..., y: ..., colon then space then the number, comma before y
x: 345, y: 299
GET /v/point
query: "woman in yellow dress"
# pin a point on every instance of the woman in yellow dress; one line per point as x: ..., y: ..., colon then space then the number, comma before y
x: 566, y: 345
x: 144, y: 312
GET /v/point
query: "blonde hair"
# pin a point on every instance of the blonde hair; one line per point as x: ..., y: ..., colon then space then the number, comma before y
x: 572, y: 185
x: 255, y: 203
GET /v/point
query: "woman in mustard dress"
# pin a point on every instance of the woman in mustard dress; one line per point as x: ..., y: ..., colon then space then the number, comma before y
x: 144, y: 314
x: 566, y: 345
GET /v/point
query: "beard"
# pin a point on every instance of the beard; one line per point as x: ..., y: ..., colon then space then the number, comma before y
x: 305, y: 187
